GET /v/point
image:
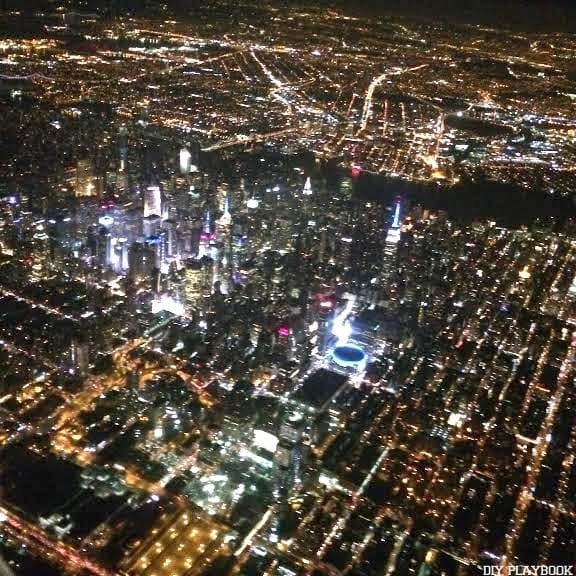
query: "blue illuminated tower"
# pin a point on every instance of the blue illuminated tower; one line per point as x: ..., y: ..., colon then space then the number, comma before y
x: 391, y: 246
x: 393, y: 235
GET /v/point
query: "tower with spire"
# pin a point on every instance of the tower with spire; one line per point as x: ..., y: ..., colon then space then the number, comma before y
x: 390, y: 250
x: 393, y: 235
x: 226, y: 219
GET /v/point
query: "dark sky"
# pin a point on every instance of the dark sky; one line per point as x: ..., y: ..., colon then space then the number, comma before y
x: 516, y: 14
x: 530, y: 15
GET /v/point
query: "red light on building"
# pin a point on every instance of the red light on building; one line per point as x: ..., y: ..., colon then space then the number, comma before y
x: 284, y: 331
x: 355, y: 171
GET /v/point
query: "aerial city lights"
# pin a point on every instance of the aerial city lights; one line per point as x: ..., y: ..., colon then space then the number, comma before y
x: 286, y: 290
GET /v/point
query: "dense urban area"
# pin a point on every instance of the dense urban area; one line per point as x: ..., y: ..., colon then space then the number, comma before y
x: 285, y: 292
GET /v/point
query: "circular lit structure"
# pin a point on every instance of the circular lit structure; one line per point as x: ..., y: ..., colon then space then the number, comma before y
x: 106, y: 221
x: 349, y: 356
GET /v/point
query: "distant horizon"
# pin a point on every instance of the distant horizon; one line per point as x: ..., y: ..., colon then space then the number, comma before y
x: 525, y: 15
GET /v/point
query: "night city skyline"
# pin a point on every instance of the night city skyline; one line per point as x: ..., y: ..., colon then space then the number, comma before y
x: 287, y: 288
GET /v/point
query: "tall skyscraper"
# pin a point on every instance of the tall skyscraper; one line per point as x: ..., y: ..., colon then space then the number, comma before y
x: 206, y: 237
x: 287, y: 468
x: 391, y: 246
x: 185, y: 161
x: 141, y: 261
x: 324, y: 315
x: 171, y: 238
x: 208, y: 270
x: 156, y: 244
x: 393, y: 235
x: 87, y: 184
x: 193, y: 283
x: 151, y: 225
x: 123, y: 148
x: 104, y: 246
x: 152, y: 201
x: 79, y: 356
x: 223, y: 223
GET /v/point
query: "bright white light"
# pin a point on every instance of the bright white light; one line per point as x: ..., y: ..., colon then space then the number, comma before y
x: 328, y: 481
x: 106, y: 221
x: 185, y: 158
x: 455, y: 419
x: 524, y: 274
x: 265, y: 440
x: 341, y: 327
x: 342, y: 331
x: 393, y: 236
x: 152, y: 201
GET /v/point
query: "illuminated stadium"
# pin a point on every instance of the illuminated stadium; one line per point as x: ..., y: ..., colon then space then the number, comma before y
x: 349, y: 356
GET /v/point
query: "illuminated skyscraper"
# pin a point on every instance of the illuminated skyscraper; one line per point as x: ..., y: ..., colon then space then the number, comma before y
x: 284, y: 341
x: 135, y: 261
x: 206, y: 237
x: 239, y: 249
x: 185, y: 161
x: 391, y: 246
x: 122, y: 173
x: 393, y: 235
x: 104, y: 246
x: 324, y: 316
x: 171, y: 238
x: 141, y: 261
x: 239, y: 197
x: 87, y: 184
x: 156, y: 244
x: 283, y: 235
x: 222, y: 194
x: 151, y: 225
x: 152, y: 201
x: 208, y: 270
x: 225, y: 220
x: 193, y: 282
x: 79, y: 356
x: 288, y: 468
x: 123, y: 148
x: 120, y: 259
